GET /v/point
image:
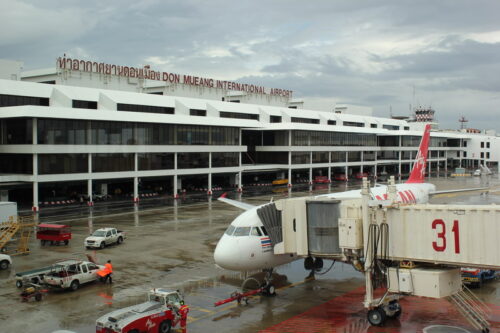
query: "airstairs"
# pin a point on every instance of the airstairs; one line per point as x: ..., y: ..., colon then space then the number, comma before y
x: 472, y: 308
x: 20, y: 226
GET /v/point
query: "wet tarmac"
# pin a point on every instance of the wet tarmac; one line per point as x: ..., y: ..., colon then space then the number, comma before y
x: 171, y: 245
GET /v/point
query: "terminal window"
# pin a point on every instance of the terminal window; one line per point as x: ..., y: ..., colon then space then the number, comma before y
x: 79, y: 104
x: 145, y: 108
x: 197, y: 112
x: 305, y: 120
x: 237, y: 115
x: 15, y: 100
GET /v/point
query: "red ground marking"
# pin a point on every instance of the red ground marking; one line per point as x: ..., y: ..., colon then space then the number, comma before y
x: 345, y: 314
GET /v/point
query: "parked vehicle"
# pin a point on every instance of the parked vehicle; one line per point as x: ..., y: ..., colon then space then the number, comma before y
x: 476, y: 276
x: 282, y: 181
x: 53, y: 233
x: 340, y: 177
x: 70, y: 274
x: 158, y: 314
x: 361, y: 175
x: 104, y: 237
x: 32, y: 276
x: 5, y: 261
x: 321, y: 180
x: 477, y: 172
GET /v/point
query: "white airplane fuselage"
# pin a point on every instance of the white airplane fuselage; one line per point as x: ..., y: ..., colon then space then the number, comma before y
x: 245, y: 245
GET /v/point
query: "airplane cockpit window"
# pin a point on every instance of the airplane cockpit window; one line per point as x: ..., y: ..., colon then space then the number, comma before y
x: 256, y: 232
x: 264, y: 231
x: 230, y: 230
x: 242, y: 231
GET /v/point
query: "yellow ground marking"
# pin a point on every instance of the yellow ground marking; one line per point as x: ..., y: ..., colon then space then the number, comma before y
x: 235, y: 304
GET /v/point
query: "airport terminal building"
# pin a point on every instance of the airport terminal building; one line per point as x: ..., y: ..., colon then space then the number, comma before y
x: 87, y: 129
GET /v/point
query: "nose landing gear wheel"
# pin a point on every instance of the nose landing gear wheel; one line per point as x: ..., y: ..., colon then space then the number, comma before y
x: 377, y: 316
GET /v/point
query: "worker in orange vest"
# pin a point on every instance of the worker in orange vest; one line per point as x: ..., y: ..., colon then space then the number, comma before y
x: 106, y: 272
x: 183, y: 313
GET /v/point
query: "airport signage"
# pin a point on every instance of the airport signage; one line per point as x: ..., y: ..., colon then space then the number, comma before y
x: 147, y: 73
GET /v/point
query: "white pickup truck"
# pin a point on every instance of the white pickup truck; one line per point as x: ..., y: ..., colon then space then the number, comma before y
x: 103, y: 237
x: 5, y: 261
x: 70, y: 274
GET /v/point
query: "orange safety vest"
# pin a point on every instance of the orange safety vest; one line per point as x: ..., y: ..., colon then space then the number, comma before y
x: 183, y: 311
x: 108, y: 269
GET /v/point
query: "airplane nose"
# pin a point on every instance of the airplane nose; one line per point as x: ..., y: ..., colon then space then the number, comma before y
x: 226, y: 253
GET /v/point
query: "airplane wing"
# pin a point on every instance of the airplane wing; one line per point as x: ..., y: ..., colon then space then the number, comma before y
x: 459, y: 190
x: 235, y: 203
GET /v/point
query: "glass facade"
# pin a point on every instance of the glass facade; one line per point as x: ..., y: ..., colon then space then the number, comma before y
x: 62, y: 131
x: 145, y: 108
x: 275, y: 138
x: 237, y: 115
x: 16, y: 164
x: 14, y: 100
x: 220, y: 160
x: 338, y: 156
x: 320, y: 156
x: 192, y: 160
x: 301, y: 158
x: 62, y: 163
x: 155, y: 161
x: 112, y: 162
x: 354, y: 156
x: 16, y: 131
x: 314, y: 138
x: 410, y: 141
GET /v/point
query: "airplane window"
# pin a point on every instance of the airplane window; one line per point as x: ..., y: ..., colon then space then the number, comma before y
x: 264, y: 231
x: 230, y: 230
x: 242, y: 231
x: 256, y: 232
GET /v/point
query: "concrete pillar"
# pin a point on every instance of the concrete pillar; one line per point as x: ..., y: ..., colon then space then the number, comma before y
x: 89, y: 192
x: 346, y: 167
x: 329, y: 167
x: 209, y: 187
x: 240, y: 182
x: 35, y: 206
x: 136, y: 189
x: 310, y: 176
x: 34, y: 131
x: 446, y: 163
x: 175, y: 184
x: 289, y: 169
x: 362, y: 161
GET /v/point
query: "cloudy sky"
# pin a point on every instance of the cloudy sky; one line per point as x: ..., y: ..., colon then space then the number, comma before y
x: 367, y: 53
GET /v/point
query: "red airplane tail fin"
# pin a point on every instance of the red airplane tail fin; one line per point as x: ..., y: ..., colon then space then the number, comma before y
x: 417, y: 174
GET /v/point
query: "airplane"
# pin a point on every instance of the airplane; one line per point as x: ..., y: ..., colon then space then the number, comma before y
x: 246, y: 246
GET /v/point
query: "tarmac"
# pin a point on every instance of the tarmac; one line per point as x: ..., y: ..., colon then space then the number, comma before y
x: 170, y: 244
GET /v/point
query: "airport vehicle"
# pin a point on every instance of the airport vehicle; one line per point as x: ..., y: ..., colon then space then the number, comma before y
x: 246, y: 246
x: 53, y: 233
x: 33, y: 290
x: 282, y: 181
x: 158, y: 314
x: 361, y: 175
x: 321, y: 180
x: 70, y: 274
x: 32, y: 276
x: 476, y: 276
x: 5, y: 261
x: 103, y: 237
x: 477, y: 172
x: 340, y: 177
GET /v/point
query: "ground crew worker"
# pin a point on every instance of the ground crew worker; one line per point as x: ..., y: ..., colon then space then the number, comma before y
x: 110, y: 272
x: 183, y: 313
x: 106, y: 272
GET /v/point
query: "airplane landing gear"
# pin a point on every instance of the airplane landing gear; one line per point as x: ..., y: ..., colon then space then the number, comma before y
x: 268, y: 288
x: 313, y: 264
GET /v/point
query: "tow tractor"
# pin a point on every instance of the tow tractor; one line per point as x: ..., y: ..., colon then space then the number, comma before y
x: 158, y: 314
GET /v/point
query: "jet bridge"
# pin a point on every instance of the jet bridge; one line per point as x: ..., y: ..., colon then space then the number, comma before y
x: 436, y: 240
